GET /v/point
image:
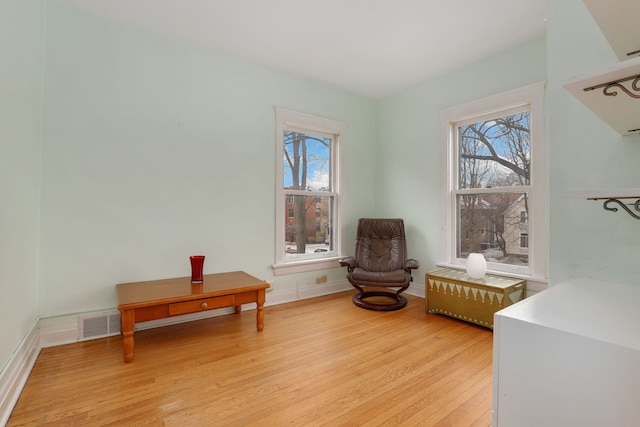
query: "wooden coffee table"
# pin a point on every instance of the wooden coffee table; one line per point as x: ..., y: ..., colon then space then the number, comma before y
x: 159, y: 299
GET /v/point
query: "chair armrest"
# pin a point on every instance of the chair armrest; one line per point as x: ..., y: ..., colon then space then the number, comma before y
x: 349, y: 262
x: 412, y: 264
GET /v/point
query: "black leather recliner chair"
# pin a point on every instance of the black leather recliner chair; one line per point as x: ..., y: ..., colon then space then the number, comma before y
x: 380, y: 261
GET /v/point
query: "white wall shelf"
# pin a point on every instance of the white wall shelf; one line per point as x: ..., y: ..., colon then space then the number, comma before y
x: 614, y: 95
x: 618, y: 21
x: 612, y: 193
x: 626, y: 198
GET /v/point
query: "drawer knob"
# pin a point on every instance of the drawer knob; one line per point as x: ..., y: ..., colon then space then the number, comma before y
x: 204, y: 305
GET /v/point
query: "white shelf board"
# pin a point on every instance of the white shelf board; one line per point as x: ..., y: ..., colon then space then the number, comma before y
x: 621, y: 112
x: 614, y: 193
x: 618, y: 21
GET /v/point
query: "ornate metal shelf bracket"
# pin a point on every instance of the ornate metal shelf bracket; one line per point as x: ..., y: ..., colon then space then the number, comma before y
x: 610, y: 201
x: 609, y: 89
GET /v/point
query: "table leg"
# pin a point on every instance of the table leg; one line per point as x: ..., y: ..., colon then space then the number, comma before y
x: 127, y: 322
x: 260, y: 310
x: 238, y: 309
x: 260, y: 317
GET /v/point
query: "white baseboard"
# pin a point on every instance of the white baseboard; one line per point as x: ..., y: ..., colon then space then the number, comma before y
x: 313, y: 291
x: 187, y: 318
x: 281, y: 297
x: 15, y: 375
x: 52, y: 336
x: 416, y: 290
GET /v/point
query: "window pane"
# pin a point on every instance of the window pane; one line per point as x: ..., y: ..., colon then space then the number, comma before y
x: 494, y: 153
x: 307, y: 161
x: 309, y: 229
x: 490, y: 224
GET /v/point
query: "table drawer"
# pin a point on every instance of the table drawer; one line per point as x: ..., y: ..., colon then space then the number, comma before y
x: 203, y: 304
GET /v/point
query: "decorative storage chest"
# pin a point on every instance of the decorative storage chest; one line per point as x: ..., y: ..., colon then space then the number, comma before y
x: 454, y: 293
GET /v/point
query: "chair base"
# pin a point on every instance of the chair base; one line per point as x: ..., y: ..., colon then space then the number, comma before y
x: 399, y: 301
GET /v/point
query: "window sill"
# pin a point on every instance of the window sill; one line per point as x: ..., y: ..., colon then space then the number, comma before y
x: 304, y: 266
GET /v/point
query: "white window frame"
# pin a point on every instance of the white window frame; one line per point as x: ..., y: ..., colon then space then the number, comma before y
x: 287, y: 264
x: 532, y: 98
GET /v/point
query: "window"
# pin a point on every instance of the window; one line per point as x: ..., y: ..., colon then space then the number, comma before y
x: 307, y: 187
x: 495, y: 179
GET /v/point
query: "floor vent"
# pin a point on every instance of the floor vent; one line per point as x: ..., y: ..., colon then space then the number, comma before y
x: 98, y: 325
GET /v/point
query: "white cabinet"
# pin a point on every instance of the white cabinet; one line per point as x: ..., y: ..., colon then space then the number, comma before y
x: 569, y: 356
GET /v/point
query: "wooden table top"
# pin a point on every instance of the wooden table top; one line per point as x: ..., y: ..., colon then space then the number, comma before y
x: 153, y: 292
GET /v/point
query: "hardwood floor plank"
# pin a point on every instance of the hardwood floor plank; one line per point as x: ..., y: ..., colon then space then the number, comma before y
x: 432, y: 377
x: 389, y: 376
x: 321, y: 361
x: 445, y: 381
x: 467, y: 413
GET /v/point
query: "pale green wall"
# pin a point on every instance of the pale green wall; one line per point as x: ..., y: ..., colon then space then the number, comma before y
x: 155, y: 150
x: 586, y: 154
x: 410, y: 147
x: 21, y: 32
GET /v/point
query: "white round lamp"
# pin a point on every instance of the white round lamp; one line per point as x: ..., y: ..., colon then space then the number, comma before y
x: 476, y: 265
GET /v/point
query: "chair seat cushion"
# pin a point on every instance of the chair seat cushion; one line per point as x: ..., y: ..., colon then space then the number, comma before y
x: 376, y: 278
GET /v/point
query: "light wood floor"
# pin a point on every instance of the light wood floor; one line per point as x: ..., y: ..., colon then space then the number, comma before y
x: 321, y: 361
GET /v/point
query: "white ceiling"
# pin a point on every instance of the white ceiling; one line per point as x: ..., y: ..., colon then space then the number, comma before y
x: 372, y: 48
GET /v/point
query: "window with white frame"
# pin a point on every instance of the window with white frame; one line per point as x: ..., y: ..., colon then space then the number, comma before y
x: 307, y: 192
x: 494, y: 175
